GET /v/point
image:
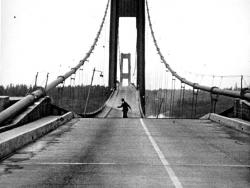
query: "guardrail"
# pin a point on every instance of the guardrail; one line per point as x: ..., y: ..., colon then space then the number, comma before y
x: 242, y: 110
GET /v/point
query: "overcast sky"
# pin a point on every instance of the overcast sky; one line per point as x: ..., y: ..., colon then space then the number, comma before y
x: 210, y: 37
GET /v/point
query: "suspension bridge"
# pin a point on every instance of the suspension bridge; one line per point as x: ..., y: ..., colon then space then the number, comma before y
x: 43, y: 144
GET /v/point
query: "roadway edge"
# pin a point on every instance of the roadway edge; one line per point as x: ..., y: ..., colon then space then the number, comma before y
x: 237, y: 124
x: 19, y: 140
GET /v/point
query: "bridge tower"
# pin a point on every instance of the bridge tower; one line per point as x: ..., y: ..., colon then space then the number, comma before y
x: 128, y: 8
x: 127, y: 73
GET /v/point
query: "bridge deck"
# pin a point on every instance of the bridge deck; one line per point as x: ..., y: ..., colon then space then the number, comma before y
x: 130, y: 95
x: 131, y: 153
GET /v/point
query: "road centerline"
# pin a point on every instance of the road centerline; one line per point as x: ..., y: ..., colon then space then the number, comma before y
x: 175, y: 180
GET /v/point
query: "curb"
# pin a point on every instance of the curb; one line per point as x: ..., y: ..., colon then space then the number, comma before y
x: 16, y: 138
x: 229, y: 122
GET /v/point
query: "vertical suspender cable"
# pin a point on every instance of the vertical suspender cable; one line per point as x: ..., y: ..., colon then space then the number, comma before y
x: 87, y: 100
x: 173, y: 105
x: 194, y: 102
x: 166, y: 94
x: 225, y: 92
x: 171, y: 97
x: 182, y: 101
x: 196, y: 98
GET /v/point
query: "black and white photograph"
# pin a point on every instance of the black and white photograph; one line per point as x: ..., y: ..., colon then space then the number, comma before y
x: 125, y: 93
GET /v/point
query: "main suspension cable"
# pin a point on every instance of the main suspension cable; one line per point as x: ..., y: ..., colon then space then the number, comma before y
x: 31, y: 98
x: 230, y: 93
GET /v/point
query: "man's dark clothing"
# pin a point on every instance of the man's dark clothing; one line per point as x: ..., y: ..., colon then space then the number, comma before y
x: 125, y: 106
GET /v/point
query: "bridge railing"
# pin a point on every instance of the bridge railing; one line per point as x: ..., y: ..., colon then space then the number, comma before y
x: 242, y: 110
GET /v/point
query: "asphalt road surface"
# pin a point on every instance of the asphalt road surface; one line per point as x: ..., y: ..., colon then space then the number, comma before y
x: 132, y: 153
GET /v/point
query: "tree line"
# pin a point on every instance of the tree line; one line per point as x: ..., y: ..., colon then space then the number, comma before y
x: 72, y: 98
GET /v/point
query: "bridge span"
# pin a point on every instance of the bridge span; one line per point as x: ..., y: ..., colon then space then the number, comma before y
x: 131, y: 95
x: 133, y: 152
x: 108, y: 151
